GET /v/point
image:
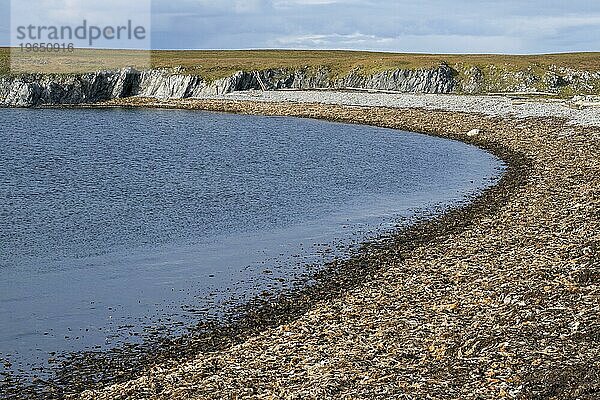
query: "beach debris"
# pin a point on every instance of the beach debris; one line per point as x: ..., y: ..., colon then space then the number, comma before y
x: 584, y: 101
x: 497, y: 299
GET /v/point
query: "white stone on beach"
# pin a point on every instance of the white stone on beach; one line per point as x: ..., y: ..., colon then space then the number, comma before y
x: 495, y: 106
x: 473, y: 132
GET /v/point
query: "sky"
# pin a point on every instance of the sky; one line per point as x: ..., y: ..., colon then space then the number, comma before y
x: 425, y: 26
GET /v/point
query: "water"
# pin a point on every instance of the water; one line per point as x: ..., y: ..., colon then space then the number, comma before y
x: 115, y: 223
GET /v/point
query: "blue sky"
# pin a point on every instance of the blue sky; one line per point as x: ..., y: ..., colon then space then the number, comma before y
x: 432, y: 26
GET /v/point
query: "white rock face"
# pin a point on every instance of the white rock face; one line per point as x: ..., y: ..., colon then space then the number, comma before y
x: 32, y: 90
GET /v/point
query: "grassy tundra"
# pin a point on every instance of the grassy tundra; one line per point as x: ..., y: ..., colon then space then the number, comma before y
x: 500, y: 71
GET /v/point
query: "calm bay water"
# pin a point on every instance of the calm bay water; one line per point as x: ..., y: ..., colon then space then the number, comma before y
x: 114, y: 222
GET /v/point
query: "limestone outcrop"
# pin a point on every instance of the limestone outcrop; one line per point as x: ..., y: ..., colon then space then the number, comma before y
x: 34, y: 90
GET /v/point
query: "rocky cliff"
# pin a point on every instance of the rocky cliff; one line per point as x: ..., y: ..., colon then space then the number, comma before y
x: 33, y: 90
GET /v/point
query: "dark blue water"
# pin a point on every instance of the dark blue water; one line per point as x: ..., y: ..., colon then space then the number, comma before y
x: 116, y: 222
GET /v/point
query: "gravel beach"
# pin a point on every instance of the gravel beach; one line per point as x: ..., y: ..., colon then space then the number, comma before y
x: 499, y: 299
x: 518, y: 106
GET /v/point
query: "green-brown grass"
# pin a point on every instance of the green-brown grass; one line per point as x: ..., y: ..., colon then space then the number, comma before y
x: 213, y: 64
x: 341, y: 62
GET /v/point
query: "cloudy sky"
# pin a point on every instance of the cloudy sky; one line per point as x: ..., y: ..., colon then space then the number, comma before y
x: 432, y: 26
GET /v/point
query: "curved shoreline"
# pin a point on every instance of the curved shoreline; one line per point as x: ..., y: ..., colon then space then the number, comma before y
x: 282, y: 330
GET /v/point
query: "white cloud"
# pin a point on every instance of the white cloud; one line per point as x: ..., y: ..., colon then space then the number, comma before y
x: 394, y: 25
x: 549, y: 24
x: 296, y: 3
x: 406, y: 43
x: 65, y: 12
x: 42, y: 14
x: 333, y: 39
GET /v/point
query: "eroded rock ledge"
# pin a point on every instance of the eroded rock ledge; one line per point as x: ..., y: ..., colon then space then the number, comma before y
x: 38, y: 89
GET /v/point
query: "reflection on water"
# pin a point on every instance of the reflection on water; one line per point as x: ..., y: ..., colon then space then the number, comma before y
x: 114, y: 221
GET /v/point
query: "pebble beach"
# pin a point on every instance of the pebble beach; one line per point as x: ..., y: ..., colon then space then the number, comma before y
x: 497, y: 299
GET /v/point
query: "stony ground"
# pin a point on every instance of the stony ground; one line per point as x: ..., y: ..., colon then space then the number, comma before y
x: 500, y: 300
x: 517, y: 106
